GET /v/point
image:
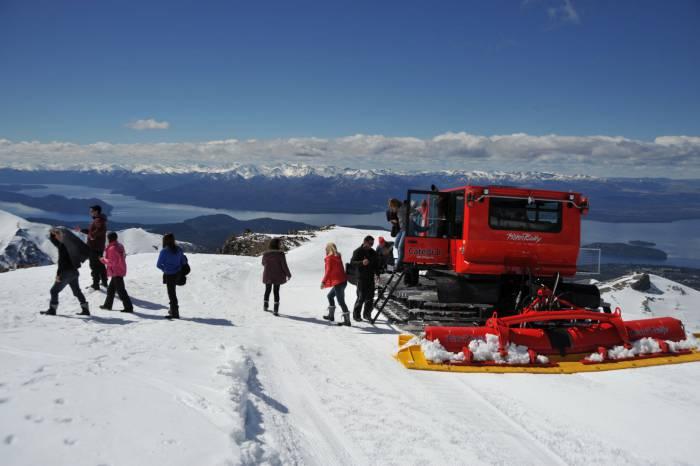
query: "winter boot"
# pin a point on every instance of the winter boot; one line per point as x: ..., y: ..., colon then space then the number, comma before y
x: 84, y: 309
x: 175, y: 313
x: 356, y: 316
x: 266, y: 306
x: 276, y: 309
x: 128, y: 311
x: 367, y: 315
x: 346, y: 320
x: 51, y: 311
x: 331, y: 314
x: 105, y: 307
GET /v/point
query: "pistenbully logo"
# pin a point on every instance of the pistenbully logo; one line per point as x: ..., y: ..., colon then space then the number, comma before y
x: 527, y: 237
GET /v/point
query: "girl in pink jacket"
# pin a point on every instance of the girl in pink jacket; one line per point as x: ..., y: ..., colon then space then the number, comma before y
x: 115, y: 260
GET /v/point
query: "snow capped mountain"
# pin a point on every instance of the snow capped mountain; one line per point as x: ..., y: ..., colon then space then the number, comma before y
x: 231, y: 384
x: 25, y: 244
x: 295, y: 170
x: 656, y: 298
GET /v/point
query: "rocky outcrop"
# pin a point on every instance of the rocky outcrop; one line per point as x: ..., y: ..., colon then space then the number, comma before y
x: 641, y: 282
x: 22, y: 252
x: 249, y: 243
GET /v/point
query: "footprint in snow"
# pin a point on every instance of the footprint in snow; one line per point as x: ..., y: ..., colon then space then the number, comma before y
x: 4, y: 400
x: 10, y: 439
x: 59, y: 401
x: 63, y: 420
x: 70, y: 441
x: 36, y: 420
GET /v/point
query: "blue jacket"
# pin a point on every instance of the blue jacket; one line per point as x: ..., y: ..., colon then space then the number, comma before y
x: 170, y: 262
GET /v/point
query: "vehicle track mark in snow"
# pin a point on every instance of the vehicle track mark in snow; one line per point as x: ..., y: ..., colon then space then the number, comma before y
x: 570, y: 447
x: 303, y: 396
x: 539, y: 445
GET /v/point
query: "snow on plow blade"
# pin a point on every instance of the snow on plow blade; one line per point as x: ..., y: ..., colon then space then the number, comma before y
x: 560, y: 342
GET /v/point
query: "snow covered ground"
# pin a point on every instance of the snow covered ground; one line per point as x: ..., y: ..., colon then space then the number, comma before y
x: 231, y: 384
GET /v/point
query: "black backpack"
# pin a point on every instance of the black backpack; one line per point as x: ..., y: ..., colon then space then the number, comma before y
x: 78, y: 251
x: 351, y: 273
x: 184, y: 271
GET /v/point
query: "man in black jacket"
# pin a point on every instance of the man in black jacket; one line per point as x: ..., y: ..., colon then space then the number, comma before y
x: 367, y: 263
x: 67, y: 275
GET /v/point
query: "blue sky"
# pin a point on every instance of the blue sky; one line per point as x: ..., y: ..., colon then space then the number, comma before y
x: 81, y: 70
x: 88, y: 71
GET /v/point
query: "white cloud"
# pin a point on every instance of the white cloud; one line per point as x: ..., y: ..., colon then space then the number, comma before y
x: 667, y: 156
x: 565, y: 12
x: 148, y: 124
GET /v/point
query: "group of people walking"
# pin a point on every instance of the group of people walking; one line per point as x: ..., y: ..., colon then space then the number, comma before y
x: 364, y: 259
x: 107, y: 259
x: 108, y: 262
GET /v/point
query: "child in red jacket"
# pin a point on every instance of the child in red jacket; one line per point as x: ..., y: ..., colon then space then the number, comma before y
x: 335, y: 279
x: 115, y: 260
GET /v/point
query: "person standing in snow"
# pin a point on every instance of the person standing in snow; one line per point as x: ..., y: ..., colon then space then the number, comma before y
x: 115, y: 261
x: 275, y: 273
x: 96, y: 234
x: 170, y: 261
x: 385, y: 254
x: 67, y: 273
x: 365, y: 259
x: 334, y: 278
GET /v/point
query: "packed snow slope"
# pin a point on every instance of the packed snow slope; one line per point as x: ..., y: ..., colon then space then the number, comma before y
x: 231, y: 384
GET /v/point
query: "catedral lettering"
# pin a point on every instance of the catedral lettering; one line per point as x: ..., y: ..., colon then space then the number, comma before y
x: 424, y: 252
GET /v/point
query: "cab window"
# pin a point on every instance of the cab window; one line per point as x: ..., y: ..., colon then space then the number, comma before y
x: 521, y: 214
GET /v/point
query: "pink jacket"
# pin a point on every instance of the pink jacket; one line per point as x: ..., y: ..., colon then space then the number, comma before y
x: 115, y: 260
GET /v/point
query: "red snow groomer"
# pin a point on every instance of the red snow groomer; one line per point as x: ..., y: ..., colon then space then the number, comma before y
x: 498, y: 295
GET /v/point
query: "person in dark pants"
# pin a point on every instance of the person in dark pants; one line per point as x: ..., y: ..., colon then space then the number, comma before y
x: 385, y: 254
x: 335, y: 279
x: 66, y: 275
x: 170, y: 261
x: 115, y: 261
x: 96, y: 234
x: 275, y: 273
x: 365, y: 259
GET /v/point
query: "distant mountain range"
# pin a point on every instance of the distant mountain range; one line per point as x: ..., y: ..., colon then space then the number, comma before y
x: 305, y: 189
x: 207, y: 232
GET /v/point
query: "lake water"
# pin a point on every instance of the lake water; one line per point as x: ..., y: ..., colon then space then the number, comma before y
x: 680, y: 240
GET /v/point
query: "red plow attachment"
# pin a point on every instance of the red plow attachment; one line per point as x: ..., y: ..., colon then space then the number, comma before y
x: 561, y: 341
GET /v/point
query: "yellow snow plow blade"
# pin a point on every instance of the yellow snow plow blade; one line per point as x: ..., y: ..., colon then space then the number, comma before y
x: 412, y: 358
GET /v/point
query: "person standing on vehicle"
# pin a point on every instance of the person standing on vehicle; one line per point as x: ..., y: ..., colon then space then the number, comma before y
x: 402, y: 214
x: 392, y: 216
x: 365, y: 259
x: 115, y: 261
x: 170, y: 261
x: 335, y: 278
x: 66, y: 275
x: 275, y: 273
x: 96, y: 237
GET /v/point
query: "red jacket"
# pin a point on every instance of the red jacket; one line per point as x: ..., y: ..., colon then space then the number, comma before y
x: 115, y: 260
x: 335, y: 271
